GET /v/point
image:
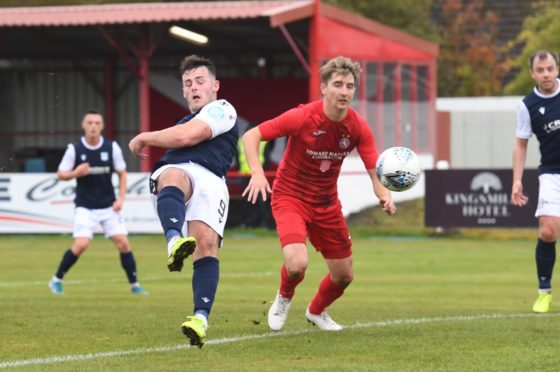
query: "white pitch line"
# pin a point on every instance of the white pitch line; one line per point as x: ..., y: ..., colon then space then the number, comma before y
x: 163, y: 349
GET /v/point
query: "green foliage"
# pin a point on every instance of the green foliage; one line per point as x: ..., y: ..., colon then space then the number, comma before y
x: 412, y: 16
x: 470, y: 62
x: 422, y: 304
x: 540, y: 31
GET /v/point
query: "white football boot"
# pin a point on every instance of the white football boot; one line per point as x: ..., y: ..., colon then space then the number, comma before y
x: 278, y: 312
x: 323, y: 321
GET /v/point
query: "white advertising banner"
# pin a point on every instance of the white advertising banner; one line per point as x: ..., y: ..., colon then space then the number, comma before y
x: 40, y: 203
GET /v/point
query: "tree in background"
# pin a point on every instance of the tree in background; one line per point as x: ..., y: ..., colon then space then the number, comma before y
x: 540, y: 31
x: 470, y: 62
x: 412, y: 16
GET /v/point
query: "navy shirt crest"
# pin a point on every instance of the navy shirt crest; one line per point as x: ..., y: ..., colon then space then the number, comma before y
x: 545, y: 124
x: 95, y: 191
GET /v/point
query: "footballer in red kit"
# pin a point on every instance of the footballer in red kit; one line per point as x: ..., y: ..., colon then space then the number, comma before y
x: 304, y: 195
x: 317, y: 147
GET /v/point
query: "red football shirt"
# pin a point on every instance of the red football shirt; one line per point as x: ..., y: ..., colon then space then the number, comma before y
x: 316, y: 148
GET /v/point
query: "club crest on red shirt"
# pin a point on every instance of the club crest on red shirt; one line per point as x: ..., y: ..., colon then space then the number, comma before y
x: 345, y: 141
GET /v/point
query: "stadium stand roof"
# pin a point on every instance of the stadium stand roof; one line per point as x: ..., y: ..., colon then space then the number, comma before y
x: 274, y: 46
x: 82, y: 15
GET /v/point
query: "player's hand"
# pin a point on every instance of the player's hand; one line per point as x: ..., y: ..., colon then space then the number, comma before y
x: 388, y: 205
x: 136, y: 146
x: 517, y: 197
x: 82, y: 170
x: 258, y: 185
x: 117, y: 205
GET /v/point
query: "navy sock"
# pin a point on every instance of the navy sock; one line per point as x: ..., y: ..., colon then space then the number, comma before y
x: 68, y: 260
x: 545, y: 256
x: 129, y: 265
x: 171, y: 210
x: 206, y: 273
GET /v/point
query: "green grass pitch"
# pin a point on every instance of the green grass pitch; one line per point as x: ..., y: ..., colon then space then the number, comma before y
x: 416, y: 304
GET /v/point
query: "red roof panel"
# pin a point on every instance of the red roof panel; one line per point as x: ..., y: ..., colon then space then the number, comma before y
x: 80, y: 15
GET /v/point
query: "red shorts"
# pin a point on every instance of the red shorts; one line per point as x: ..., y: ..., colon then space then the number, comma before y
x: 325, y: 226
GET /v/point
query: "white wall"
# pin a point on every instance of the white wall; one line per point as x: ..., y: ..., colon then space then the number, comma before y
x: 483, y: 132
x: 482, y: 136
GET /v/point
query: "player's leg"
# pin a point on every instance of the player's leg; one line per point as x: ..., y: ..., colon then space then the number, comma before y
x: 331, y: 288
x: 291, y: 274
x: 128, y: 263
x: 174, y: 189
x: 545, y: 257
x: 205, y: 278
x: 206, y: 213
x: 115, y: 229
x: 84, y: 223
x: 548, y: 212
x: 291, y: 217
x: 329, y: 234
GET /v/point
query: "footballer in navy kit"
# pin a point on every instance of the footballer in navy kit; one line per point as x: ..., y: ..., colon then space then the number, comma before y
x: 539, y: 114
x: 92, y: 161
x: 188, y: 183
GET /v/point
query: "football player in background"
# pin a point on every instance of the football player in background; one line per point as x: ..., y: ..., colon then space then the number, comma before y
x: 188, y: 183
x: 304, y: 195
x: 92, y: 161
x: 539, y: 113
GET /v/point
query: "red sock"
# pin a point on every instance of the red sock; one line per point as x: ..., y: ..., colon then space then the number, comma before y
x: 328, y: 292
x: 287, y: 285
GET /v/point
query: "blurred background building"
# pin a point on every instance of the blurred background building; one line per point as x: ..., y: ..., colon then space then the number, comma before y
x: 58, y: 61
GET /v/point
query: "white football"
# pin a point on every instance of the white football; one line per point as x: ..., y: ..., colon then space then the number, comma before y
x: 398, y: 168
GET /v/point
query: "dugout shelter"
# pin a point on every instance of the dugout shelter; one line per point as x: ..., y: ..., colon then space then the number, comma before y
x: 58, y: 61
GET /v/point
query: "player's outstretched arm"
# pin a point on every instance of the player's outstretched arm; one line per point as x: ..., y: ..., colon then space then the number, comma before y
x: 177, y: 136
x: 384, y: 195
x: 519, y: 155
x: 258, y: 184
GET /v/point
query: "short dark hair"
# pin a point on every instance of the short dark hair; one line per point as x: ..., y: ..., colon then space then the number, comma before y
x: 93, y: 111
x: 542, y: 54
x: 194, y: 61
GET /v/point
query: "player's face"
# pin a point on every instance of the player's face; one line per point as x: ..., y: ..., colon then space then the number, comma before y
x: 199, y: 88
x: 339, y: 91
x: 92, y: 124
x: 544, y: 73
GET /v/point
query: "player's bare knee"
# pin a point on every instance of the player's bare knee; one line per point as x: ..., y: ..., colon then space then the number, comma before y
x: 80, y: 245
x: 124, y: 248
x: 344, y: 281
x: 78, y: 249
x: 122, y: 243
x: 547, y: 235
x: 206, y: 246
x: 342, y: 277
x: 174, y: 177
x: 296, y: 267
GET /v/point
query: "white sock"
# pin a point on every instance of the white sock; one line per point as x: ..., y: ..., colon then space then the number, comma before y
x: 204, y: 320
x: 170, y: 244
x: 55, y: 279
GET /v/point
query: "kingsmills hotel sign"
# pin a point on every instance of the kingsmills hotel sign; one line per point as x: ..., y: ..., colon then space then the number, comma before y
x: 478, y: 198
